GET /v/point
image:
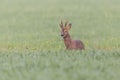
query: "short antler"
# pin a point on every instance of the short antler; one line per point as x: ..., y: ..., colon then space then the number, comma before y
x: 66, y: 22
x: 61, y: 24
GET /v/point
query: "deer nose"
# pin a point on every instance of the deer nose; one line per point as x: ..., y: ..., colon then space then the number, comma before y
x: 62, y: 35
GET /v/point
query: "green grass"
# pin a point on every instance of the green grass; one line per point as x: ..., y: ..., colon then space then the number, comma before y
x: 31, y: 47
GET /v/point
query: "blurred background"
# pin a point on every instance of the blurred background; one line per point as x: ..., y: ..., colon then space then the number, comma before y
x: 31, y: 47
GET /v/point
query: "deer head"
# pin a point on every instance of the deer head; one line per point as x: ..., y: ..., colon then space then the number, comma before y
x: 65, y: 28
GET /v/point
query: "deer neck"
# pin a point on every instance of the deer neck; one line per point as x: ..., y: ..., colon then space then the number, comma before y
x: 67, y: 41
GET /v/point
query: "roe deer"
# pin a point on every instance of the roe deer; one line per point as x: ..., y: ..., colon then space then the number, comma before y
x: 69, y: 43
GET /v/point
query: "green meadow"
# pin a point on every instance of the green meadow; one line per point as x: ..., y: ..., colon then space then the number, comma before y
x: 31, y: 47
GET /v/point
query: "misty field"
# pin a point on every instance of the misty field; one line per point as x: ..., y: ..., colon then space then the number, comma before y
x: 31, y: 47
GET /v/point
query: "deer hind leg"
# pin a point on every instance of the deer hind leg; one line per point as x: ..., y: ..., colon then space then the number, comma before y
x: 80, y: 45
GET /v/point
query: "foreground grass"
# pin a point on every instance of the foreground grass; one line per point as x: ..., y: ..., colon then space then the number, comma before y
x: 31, y: 48
x: 65, y: 65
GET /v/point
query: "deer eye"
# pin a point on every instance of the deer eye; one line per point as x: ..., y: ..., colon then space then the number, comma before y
x: 65, y: 30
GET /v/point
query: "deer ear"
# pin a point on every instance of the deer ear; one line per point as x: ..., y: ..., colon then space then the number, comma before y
x: 69, y: 26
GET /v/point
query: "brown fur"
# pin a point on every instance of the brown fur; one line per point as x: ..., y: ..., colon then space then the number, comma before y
x: 69, y: 43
